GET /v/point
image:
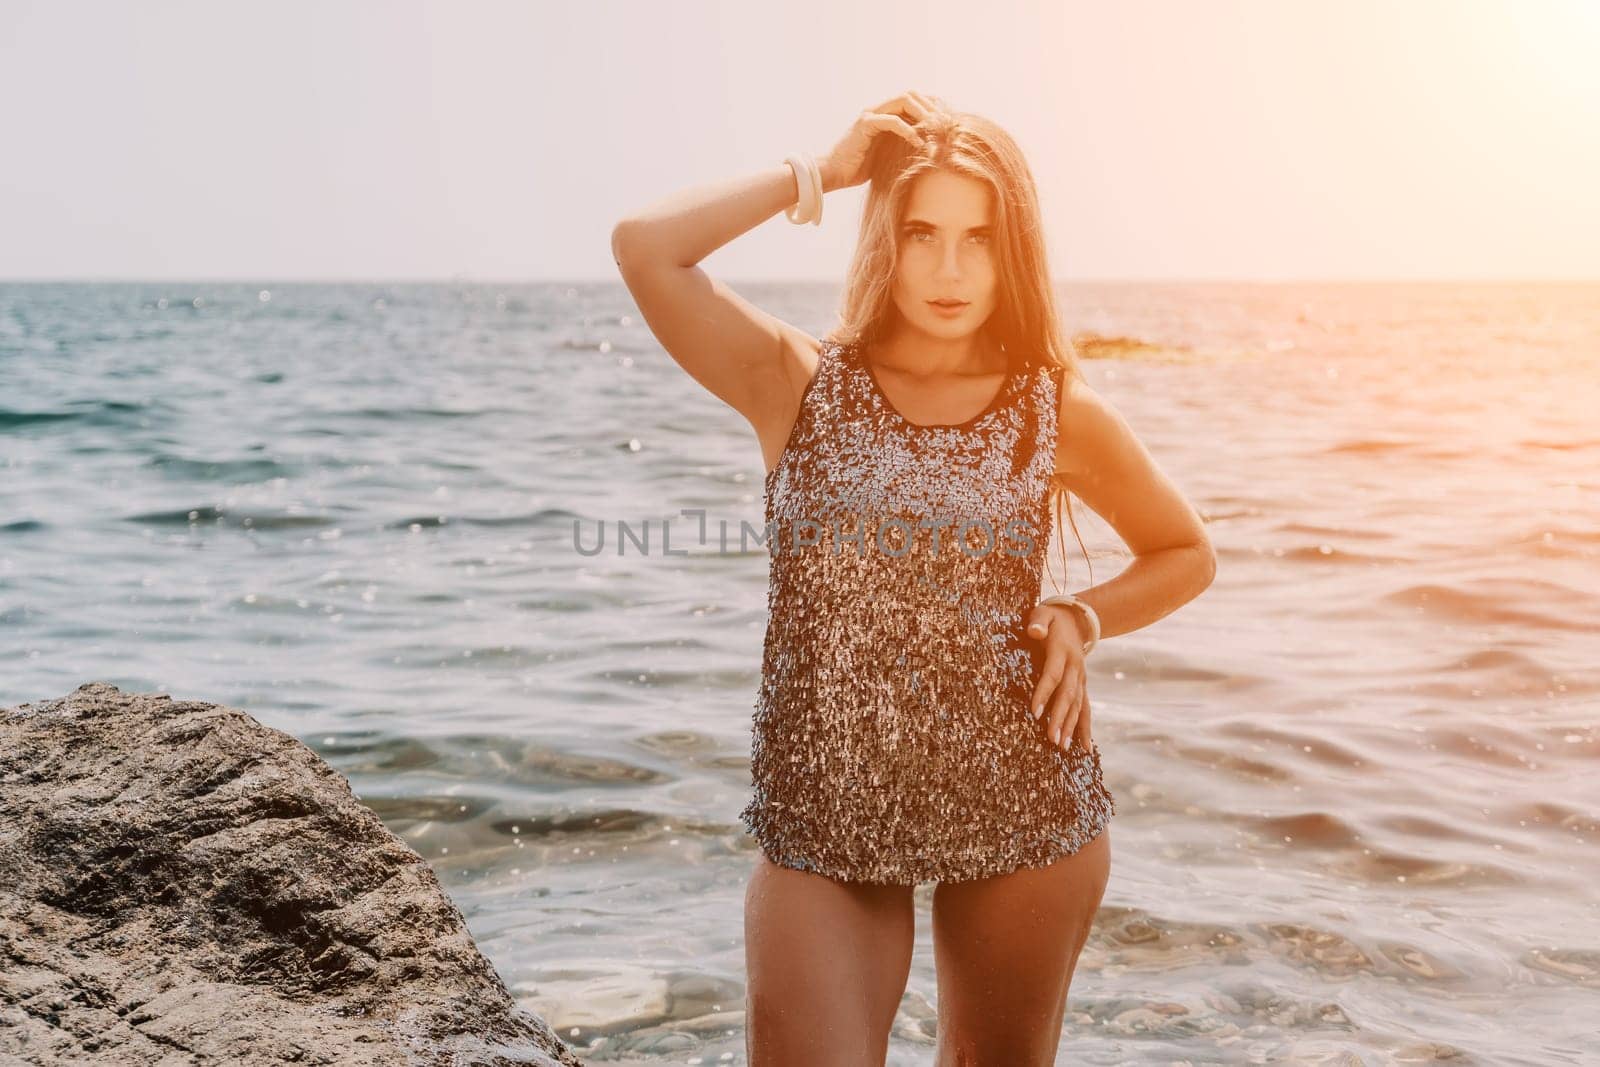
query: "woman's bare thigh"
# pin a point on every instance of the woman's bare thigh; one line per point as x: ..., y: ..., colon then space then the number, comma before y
x: 1005, y: 949
x: 826, y: 964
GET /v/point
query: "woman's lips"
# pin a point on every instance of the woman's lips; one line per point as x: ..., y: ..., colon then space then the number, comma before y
x: 947, y: 309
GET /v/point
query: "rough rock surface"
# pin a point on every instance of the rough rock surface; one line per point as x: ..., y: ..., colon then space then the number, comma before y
x: 180, y: 884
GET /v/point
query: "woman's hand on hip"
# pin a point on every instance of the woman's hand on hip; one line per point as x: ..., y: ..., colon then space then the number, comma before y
x: 1060, y: 696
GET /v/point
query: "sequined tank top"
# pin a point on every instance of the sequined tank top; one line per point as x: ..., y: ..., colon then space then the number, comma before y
x: 891, y: 738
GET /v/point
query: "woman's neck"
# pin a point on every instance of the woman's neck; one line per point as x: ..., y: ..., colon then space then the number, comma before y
x: 925, y: 356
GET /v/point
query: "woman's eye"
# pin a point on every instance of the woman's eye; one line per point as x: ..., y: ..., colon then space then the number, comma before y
x: 981, y: 238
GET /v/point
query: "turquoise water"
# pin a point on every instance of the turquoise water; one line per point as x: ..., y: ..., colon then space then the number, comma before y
x: 1357, y: 813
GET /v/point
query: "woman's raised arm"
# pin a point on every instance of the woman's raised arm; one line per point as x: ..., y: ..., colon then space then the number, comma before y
x: 750, y: 359
x: 727, y: 344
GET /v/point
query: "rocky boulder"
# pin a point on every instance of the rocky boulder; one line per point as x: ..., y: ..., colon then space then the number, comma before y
x: 180, y: 884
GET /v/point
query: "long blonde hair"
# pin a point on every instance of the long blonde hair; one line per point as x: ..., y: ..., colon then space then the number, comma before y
x: 1024, y: 323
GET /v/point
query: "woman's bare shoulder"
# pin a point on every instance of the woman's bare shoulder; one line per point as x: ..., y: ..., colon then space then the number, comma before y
x: 1092, y: 436
x: 798, y: 357
x: 800, y: 353
x: 1102, y: 460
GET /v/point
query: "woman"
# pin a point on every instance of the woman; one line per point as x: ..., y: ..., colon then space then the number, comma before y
x: 909, y: 729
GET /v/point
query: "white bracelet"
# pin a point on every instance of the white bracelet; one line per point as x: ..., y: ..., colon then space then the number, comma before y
x: 1072, y: 601
x: 816, y: 189
x: 808, y: 183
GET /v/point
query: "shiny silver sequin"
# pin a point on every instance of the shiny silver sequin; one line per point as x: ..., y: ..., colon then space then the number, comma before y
x: 891, y: 738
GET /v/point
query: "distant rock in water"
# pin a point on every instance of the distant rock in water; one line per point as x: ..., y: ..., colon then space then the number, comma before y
x: 180, y: 884
x: 1091, y: 345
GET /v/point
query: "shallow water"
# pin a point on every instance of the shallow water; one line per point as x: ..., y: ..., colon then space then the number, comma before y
x: 1355, y: 780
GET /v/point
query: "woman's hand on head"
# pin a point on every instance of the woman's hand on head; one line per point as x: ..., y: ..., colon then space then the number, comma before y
x: 845, y: 165
x: 1061, y: 692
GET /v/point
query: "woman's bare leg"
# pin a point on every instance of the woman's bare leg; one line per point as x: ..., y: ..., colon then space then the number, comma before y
x: 826, y: 963
x: 1005, y: 949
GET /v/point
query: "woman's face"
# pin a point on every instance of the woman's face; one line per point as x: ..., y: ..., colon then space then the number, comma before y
x: 946, y: 252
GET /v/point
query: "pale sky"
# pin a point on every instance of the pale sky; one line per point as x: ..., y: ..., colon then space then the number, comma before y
x: 1255, y: 141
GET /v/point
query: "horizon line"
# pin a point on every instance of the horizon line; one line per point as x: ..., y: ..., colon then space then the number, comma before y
x: 468, y: 279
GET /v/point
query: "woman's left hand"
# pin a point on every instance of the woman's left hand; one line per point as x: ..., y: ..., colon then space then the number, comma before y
x: 1061, y: 695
